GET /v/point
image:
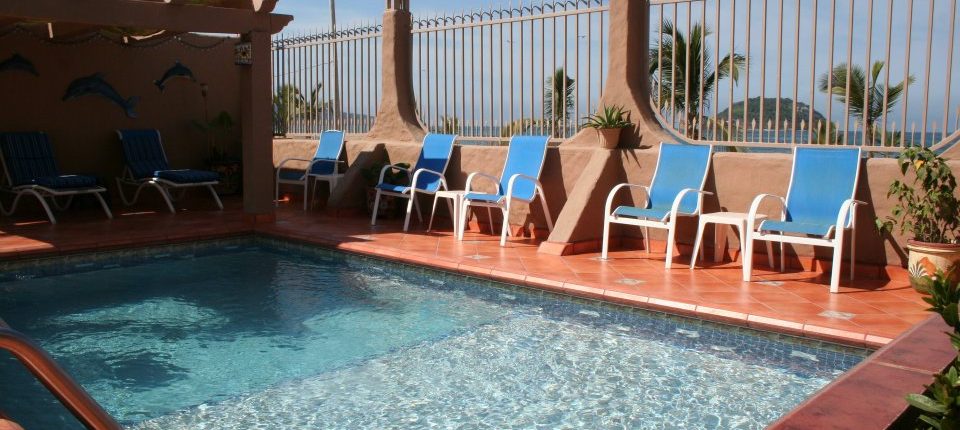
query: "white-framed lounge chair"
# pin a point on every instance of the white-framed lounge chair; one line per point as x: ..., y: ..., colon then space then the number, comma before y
x: 145, y: 165
x: 818, y: 209
x: 675, y: 191
x: 29, y: 168
x: 519, y: 180
x: 325, y: 166
x: 425, y: 177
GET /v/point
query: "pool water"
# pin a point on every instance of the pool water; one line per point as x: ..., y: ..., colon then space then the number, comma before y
x: 263, y: 334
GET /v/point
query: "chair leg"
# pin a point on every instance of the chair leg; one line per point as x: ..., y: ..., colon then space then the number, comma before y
x: 276, y: 191
x: 406, y: 219
x: 464, y: 211
x: 783, y: 257
x: 216, y: 198
x: 506, y: 224
x: 306, y: 192
x: 416, y: 205
x: 433, y: 211
x: 103, y: 204
x: 490, y: 218
x: 671, y: 234
x: 837, y: 259
x: 646, y: 239
x: 605, y: 244
x: 747, y: 247
x: 770, y: 254
x: 696, y: 245
x: 123, y: 197
x: 546, y: 212
x: 43, y: 202
x: 376, y: 207
x: 853, y: 252
x: 164, y: 194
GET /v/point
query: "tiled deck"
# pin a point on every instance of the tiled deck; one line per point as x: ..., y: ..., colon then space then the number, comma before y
x: 866, y: 312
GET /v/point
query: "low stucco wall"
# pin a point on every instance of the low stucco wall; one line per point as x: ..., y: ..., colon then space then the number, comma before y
x: 735, y: 179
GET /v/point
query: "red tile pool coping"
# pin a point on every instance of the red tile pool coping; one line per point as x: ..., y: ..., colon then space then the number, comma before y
x: 867, y: 313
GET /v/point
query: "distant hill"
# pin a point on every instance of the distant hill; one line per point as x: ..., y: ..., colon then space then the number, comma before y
x: 770, y: 111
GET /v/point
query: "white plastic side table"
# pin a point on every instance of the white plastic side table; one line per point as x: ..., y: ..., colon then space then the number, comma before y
x: 730, y: 220
x: 456, y: 198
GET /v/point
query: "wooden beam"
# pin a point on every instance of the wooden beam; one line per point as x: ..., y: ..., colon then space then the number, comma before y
x: 146, y: 14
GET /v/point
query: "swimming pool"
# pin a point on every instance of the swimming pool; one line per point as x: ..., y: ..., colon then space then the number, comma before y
x: 257, y: 333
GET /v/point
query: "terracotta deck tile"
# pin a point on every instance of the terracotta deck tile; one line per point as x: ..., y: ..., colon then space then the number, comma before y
x: 880, y: 309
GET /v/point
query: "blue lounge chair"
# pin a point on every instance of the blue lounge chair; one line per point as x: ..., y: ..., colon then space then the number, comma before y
x: 425, y: 177
x: 146, y: 165
x: 325, y: 166
x: 29, y: 168
x: 818, y: 209
x: 675, y: 191
x: 519, y: 180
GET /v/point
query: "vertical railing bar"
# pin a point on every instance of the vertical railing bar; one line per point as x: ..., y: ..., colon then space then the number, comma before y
x: 437, y: 120
x: 906, y: 76
x: 491, y: 68
x: 660, y: 61
x: 512, y: 42
x: 846, y: 111
x: 473, y: 80
x: 602, y: 49
x: 553, y: 84
x: 746, y: 86
x: 543, y: 69
x: 733, y: 31
x: 926, y: 79
x: 566, y: 73
x: 686, y: 73
x: 673, y: 68
x: 868, y: 128
x: 833, y: 26
x: 533, y: 86
x: 463, y: 74
x: 495, y: 130
x: 576, y: 62
x: 763, y: 71
x: 716, y: 71
x: 796, y: 74
x: 702, y: 42
x: 946, y: 93
x: 589, y: 38
x: 446, y: 79
x: 776, y: 115
x: 886, y: 84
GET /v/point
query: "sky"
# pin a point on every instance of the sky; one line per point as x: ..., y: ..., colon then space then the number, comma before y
x: 313, y: 14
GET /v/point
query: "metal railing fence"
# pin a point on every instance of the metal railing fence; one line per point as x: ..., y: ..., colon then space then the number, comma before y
x: 326, y: 80
x: 781, y: 73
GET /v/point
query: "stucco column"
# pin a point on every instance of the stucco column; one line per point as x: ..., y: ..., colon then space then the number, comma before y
x: 256, y: 118
x: 397, y: 117
x: 628, y: 79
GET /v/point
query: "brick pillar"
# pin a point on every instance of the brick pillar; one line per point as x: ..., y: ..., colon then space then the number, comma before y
x: 397, y: 117
x: 256, y: 116
x: 628, y: 80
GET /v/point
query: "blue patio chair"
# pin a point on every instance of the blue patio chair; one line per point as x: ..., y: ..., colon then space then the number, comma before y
x: 325, y: 166
x: 675, y: 191
x: 29, y: 168
x: 519, y: 180
x: 427, y: 175
x: 145, y: 164
x: 818, y: 209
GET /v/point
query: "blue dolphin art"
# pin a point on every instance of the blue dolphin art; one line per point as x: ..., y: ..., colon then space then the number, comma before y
x: 17, y: 62
x: 177, y: 71
x: 95, y: 85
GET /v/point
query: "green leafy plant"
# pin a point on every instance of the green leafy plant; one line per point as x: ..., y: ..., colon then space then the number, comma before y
x: 927, y: 206
x: 371, y: 175
x: 940, y: 405
x: 610, y: 117
x: 218, y: 131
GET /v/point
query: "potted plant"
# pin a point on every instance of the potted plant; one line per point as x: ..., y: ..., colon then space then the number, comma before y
x: 609, y: 123
x: 928, y: 209
x: 219, y: 133
x: 388, y: 204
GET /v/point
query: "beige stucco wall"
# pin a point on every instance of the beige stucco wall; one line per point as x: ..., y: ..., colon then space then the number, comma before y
x: 82, y: 129
x: 735, y: 178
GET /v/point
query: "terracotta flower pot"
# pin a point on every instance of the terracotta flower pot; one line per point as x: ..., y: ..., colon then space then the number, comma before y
x: 927, y: 258
x: 609, y: 137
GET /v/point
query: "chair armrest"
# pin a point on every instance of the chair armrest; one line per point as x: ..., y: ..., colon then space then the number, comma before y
x: 617, y: 188
x: 469, y: 185
x: 286, y: 160
x: 336, y: 163
x: 675, y: 208
x: 383, y: 171
x: 848, y: 210
x: 413, y: 181
x: 755, y: 206
x: 516, y: 176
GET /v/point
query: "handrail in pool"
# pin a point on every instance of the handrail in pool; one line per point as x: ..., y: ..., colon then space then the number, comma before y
x: 57, y: 380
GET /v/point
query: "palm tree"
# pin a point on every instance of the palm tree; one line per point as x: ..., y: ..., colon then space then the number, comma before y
x: 451, y: 125
x: 287, y: 102
x: 678, y: 73
x: 558, y: 98
x: 860, y: 85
